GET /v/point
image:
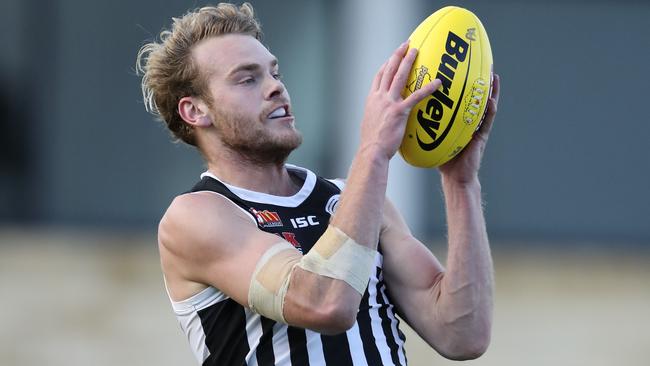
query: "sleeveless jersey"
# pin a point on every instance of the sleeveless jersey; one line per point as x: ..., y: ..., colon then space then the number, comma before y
x: 223, y: 332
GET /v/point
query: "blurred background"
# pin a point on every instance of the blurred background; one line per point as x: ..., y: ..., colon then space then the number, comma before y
x: 85, y: 172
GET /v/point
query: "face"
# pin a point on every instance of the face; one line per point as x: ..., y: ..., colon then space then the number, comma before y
x: 249, y: 107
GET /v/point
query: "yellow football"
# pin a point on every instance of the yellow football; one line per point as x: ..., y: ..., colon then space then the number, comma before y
x: 453, y: 47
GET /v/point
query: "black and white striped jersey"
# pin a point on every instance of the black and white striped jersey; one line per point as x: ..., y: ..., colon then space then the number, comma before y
x: 223, y: 332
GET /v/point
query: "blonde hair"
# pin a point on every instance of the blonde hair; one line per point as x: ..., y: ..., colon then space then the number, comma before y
x: 168, y: 70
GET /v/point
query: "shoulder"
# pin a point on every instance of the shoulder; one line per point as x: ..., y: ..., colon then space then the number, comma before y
x: 205, y: 239
x: 199, y: 207
x: 198, y: 219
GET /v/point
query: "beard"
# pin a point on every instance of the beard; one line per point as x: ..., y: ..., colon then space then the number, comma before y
x: 252, y: 140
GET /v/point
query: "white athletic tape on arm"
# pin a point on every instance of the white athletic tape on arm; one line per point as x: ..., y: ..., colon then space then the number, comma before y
x: 270, y: 280
x: 337, y: 256
x: 334, y: 255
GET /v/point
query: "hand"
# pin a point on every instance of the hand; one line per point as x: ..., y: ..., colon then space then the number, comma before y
x: 464, y: 168
x: 386, y: 110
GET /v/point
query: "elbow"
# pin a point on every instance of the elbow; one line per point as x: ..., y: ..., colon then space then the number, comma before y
x: 467, y: 330
x: 325, y: 306
x: 329, y: 317
x: 469, y: 347
x: 467, y: 350
x: 335, y: 319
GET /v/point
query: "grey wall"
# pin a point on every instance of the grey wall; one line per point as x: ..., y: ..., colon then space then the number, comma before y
x: 569, y: 153
x: 567, y: 158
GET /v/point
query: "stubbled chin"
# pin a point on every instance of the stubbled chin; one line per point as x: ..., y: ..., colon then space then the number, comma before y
x: 292, y: 139
x: 273, y: 148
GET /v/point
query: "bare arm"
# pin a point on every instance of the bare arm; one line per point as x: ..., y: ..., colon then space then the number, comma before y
x: 457, y: 317
x: 382, y: 129
x: 359, y: 211
x: 204, y: 240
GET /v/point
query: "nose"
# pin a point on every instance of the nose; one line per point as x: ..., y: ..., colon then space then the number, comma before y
x: 275, y: 88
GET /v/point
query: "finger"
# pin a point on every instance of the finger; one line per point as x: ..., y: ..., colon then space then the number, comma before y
x: 492, y: 106
x: 422, y: 93
x: 496, y: 88
x: 399, y: 81
x: 391, y: 66
x: 377, y: 80
x: 490, y: 113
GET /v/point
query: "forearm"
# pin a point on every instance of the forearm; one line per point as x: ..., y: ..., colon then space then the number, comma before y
x: 360, y: 208
x: 466, y: 290
x: 359, y: 212
x: 358, y: 216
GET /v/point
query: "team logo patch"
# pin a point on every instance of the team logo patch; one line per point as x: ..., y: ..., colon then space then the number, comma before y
x: 291, y: 238
x: 267, y: 218
x: 330, y: 207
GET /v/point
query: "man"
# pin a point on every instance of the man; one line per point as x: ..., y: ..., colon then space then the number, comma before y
x: 266, y: 263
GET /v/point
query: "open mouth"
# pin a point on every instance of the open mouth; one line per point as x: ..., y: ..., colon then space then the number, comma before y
x: 279, y: 112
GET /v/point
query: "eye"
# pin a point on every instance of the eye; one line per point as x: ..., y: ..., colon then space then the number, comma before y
x: 248, y: 80
x: 277, y: 76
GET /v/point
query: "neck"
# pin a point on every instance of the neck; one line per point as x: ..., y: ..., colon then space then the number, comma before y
x: 236, y: 169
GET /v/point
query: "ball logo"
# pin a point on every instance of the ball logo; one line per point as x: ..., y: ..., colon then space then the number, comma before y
x: 456, y: 51
x: 471, y: 34
x: 475, y: 99
x: 421, y: 73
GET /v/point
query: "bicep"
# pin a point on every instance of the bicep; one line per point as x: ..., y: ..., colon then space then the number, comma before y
x: 411, y: 271
x: 219, y: 248
x: 211, y: 242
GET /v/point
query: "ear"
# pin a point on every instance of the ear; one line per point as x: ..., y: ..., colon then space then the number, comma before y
x: 194, y: 111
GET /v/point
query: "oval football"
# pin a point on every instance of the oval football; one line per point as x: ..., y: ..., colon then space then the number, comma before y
x: 453, y: 47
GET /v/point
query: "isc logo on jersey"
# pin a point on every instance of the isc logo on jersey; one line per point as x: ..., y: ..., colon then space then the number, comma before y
x: 300, y: 222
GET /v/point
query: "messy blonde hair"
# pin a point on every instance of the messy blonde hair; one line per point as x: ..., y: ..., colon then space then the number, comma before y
x: 168, y: 69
